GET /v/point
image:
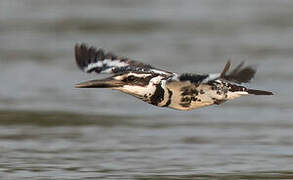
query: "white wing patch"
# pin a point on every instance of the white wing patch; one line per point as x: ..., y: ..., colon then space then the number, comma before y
x: 156, y: 71
x: 211, y: 77
x: 108, y: 64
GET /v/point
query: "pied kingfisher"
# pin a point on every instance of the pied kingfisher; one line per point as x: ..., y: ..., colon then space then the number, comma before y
x: 163, y: 88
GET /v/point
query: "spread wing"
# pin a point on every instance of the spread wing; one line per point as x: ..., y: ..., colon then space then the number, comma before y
x: 89, y: 59
x: 241, y: 74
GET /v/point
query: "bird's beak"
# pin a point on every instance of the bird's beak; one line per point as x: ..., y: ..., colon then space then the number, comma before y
x: 101, y: 83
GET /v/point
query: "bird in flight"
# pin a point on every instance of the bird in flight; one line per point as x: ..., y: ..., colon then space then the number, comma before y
x: 162, y: 88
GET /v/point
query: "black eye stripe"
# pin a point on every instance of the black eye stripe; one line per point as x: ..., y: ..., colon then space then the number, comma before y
x: 140, y: 81
x: 130, y: 79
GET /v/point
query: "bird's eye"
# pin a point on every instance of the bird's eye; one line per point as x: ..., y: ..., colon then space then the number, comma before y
x: 130, y: 78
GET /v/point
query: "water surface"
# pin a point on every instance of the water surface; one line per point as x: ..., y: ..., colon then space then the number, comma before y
x: 49, y: 129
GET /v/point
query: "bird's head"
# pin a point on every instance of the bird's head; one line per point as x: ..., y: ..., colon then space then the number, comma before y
x: 138, y: 84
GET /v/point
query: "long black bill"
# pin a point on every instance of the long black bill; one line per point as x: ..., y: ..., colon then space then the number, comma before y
x: 100, y: 83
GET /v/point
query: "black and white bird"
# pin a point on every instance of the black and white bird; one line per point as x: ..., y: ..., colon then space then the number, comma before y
x: 163, y: 88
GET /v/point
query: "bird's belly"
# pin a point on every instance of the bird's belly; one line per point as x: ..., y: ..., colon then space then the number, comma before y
x: 193, y: 102
x: 192, y: 97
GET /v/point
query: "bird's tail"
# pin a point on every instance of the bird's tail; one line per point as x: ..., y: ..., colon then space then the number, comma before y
x: 258, y: 92
x: 241, y: 90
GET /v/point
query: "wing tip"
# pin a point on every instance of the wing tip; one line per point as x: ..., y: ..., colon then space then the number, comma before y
x: 80, y: 55
x: 85, y: 55
x: 226, y: 68
x: 240, y: 74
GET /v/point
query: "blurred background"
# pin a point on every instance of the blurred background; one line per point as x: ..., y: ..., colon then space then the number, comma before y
x: 49, y: 129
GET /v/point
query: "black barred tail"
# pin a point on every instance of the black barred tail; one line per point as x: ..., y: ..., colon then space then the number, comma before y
x: 259, y: 92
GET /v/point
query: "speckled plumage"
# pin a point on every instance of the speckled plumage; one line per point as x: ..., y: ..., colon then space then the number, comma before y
x: 163, y: 88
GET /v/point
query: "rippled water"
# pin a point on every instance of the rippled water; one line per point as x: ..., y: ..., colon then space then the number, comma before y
x: 48, y: 129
